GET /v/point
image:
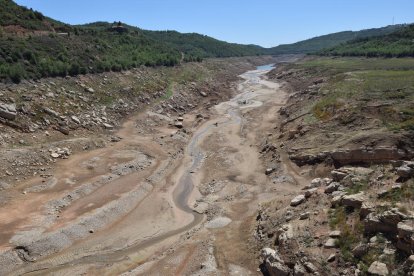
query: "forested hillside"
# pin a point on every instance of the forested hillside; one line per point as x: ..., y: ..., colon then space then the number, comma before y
x: 397, y: 44
x: 33, y: 46
x: 201, y: 46
x: 326, y: 41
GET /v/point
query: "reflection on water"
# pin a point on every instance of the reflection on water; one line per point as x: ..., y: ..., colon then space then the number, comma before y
x: 267, y: 67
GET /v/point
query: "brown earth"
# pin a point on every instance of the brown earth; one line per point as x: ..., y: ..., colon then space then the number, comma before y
x: 112, y: 205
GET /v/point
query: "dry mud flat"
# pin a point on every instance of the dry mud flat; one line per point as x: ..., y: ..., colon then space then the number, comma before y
x: 127, y: 207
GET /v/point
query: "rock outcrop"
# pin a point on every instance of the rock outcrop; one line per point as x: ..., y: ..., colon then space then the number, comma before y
x: 8, y: 111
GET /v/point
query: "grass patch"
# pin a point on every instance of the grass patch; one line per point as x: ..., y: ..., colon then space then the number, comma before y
x: 342, y: 65
x: 380, y: 88
x: 351, y: 230
x: 169, y: 93
x: 358, y: 186
x: 404, y: 194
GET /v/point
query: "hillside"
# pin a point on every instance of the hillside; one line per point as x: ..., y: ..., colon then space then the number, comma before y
x: 326, y: 41
x: 204, y: 46
x: 396, y: 44
x: 33, y: 46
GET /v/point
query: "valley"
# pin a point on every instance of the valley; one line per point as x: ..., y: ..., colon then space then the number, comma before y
x: 127, y: 151
x: 117, y: 205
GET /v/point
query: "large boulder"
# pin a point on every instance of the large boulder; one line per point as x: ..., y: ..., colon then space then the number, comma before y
x: 275, y: 266
x: 338, y: 175
x: 354, y: 201
x: 360, y: 250
x: 378, y: 269
x: 310, y: 267
x: 406, y: 170
x: 385, y: 223
x: 8, y: 111
x: 299, y: 270
x: 366, y: 209
x: 405, y: 236
x: 332, y: 187
x: 284, y: 234
x: 297, y: 200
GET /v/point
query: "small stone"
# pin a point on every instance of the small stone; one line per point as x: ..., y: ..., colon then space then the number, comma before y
x: 55, y: 155
x: 331, y: 258
x: 108, y: 126
x: 115, y: 139
x: 304, y: 216
x: 378, y: 269
x: 178, y: 124
x: 335, y: 234
x: 310, y: 267
x: 269, y: 171
x: 330, y: 243
x: 310, y: 192
x: 75, y: 119
x: 317, y: 182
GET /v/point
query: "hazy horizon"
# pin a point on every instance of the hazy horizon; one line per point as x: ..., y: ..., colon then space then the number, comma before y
x: 265, y: 23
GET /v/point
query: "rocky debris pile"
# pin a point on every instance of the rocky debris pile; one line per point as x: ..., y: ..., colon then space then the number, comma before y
x: 274, y: 265
x: 63, y: 153
x: 361, y: 218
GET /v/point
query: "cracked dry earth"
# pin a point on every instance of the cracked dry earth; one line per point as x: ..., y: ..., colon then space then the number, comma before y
x: 159, y: 202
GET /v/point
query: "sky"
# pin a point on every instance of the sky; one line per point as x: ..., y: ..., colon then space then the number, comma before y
x: 263, y: 22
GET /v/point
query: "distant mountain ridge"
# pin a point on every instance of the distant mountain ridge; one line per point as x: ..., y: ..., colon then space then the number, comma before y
x: 34, y: 46
x: 327, y: 41
x: 396, y: 44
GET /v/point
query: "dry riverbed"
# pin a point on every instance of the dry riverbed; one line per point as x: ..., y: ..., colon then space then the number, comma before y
x: 160, y: 201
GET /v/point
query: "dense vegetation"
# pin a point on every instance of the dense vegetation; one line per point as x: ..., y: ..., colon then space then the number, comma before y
x: 326, y: 41
x: 88, y: 51
x: 201, y: 46
x: 397, y: 44
x: 14, y: 15
x: 33, y: 46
